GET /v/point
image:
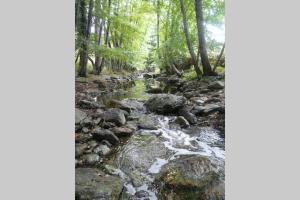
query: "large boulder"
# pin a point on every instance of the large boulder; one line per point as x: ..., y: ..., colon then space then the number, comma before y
x: 191, y: 177
x: 165, y: 103
x: 94, y: 184
x: 114, y: 115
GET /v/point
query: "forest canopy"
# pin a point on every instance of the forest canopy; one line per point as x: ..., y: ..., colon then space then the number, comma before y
x: 170, y: 36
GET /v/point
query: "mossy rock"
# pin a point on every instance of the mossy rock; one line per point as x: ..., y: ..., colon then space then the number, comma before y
x: 190, y: 177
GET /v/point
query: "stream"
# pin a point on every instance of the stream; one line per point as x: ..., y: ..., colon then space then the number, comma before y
x: 140, y: 160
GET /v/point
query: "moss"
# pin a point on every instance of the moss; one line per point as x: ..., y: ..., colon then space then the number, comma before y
x: 177, y: 187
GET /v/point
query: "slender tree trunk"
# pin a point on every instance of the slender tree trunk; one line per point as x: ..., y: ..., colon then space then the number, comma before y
x: 97, y: 57
x: 106, y: 35
x: 219, y: 58
x: 207, y: 70
x: 158, y: 20
x: 188, y: 40
x: 83, y: 44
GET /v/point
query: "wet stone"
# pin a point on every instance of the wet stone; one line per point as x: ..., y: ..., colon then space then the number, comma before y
x: 90, y: 159
x: 104, y: 134
x: 93, y: 184
x: 182, y: 122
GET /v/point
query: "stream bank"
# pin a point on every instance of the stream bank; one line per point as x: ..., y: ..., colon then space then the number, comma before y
x: 149, y: 137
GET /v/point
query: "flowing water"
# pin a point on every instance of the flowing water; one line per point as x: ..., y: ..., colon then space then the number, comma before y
x: 205, y: 142
x: 147, y: 151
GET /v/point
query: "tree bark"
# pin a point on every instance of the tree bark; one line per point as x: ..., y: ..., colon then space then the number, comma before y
x: 219, y: 58
x: 97, y: 57
x: 188, y: 40
x: 207, y: 70
x: 106, y: 35
x: 83, y: 44
x: 176, y: 70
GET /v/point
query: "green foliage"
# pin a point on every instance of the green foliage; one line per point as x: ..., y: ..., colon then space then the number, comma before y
x: 190, y: 75
x: 133, y: 32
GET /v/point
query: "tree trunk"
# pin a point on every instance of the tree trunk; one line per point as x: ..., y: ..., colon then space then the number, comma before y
x: 106, y: 35
x: 83, y: 46
x: 97, y: 57
x: 188, y: 40
x: 176, y: 70
x: 158, y: 16
x: 219, y: 58
x: 207, y: 70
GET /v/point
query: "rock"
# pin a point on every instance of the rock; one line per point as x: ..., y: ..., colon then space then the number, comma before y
x: 85, y: 130
x: 146, y: 122
x: 182, y: 122
x: 92, y: 144
x: 147, y: 76
x: 102, y: 150
x: 190, y: 117
x: 137, y: 156
x: 89, y: 104
x: 104, y: 134
x: 108, y: 125
x: 94, y: 184
x: 80, y: 148
x: 79, y: 115
x: 114, y: 115
x: 119, y: 104
x: 122, y: 131
x: 191, y: 177
x: 80, y: 137
x: 216, y: 85
x: 197, y: 100
x: 165, y: 103
x: 155, y: 90
x: 134, y: 104
x: 87, y: 122
x: 141, y: 194
x: 90, y: 159
x: 207, y: 109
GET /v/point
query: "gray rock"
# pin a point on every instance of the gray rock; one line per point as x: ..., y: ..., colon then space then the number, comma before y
x: 90, y: 159
x: 207, y: 109
x: 191, y: 177
x: 165, y: 103
x: 79, y: 115
x: 104, y: 134
x: 216, y: 85
x: 87, y: 122
x: 80, y: 148
x: 122, y: 131
x: 93, y: 184
x: 141, y: 194
x: 114, y: 115
x: 80, y: 137
x: 119, y: 104
x: 90, y: 104
x: 182, y: 122
x: 102, y: 150
x: 190, y: 117
x: 146, y: 122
